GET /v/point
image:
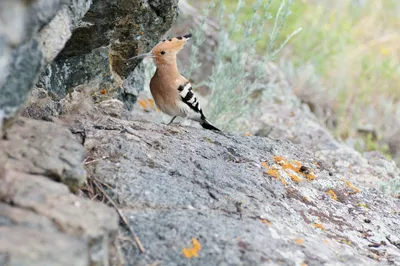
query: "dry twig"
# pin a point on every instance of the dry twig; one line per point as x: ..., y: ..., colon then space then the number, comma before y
x: 121, y: 215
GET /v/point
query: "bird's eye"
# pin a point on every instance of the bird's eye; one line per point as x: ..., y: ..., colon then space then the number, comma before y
x: 162, y: 52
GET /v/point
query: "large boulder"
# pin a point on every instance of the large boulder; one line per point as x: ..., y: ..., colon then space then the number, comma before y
x: 32, y: 33
x: 44, y: 148
x: 202, y: 198
x: 110, y: 33
x: 41, y: 221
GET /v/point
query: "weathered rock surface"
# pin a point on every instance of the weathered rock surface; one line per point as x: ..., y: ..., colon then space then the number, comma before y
x: 175, y: 184
x: 301, y: 127
x: 41, y: 222
x: 111, y: 32
x: 25, y: 246
x: 43, y: 148
x: 32, y: 33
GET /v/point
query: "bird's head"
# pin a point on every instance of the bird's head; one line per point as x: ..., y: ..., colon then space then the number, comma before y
x: 165, y: 52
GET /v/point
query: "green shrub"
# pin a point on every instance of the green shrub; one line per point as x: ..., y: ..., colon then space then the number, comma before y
x: 238, y: 41
x: 353, y: 48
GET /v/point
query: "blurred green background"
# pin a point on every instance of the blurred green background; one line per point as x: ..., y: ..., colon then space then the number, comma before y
x: 352, y: 48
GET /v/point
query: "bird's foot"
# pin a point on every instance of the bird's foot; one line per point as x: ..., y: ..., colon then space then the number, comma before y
x: 172, y: 120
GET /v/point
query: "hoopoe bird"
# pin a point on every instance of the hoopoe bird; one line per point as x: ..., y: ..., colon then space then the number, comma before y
x: 171, y: 91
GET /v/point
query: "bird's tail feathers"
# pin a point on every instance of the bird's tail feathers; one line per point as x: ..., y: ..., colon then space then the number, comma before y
x: 207, y: 125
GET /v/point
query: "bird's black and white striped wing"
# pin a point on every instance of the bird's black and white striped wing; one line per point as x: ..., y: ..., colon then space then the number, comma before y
x: 194, y: 111
x: 188, y: 97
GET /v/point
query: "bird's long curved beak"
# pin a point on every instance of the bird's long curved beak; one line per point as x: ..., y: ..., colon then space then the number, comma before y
x: 140, y: 56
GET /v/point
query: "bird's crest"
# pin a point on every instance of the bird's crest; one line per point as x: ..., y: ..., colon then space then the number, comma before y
x: 171, y: 44
x: 166, y: 50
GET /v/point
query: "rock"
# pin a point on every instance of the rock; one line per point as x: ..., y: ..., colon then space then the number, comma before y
x: 41, y: 222
x: 32, y: 34
x: 279, y: 121
x: 110, y: 33
x: 43, y: 148
x: 75, y: 71
x: 47, y: 225
x: 112, y: 107
x: 177, y: 183
x: 40, y: 106
x: 25, y: 246
x: 13, y: 216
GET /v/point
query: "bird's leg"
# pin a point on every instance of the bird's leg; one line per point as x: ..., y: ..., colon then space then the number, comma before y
x: 172, y: 120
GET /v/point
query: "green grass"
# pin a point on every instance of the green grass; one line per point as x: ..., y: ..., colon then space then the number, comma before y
x: 354, y: 50
x: 233, y: 83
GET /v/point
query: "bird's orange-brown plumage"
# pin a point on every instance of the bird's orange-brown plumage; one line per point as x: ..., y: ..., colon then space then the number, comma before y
x: 171, y: 91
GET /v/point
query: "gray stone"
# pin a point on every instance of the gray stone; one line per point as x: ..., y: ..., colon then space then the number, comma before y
x: 27, y: 61
x: 44, y: 148
x: 24, y: 246
x: 112, y: 107
x: 41, y: 222
x: 279, y: 121
x: 75, y: 71
x: 13, y: 216
x: 110, y: 33
x: 177, y: 183
x: 44, y: 210
x: 31, y: 35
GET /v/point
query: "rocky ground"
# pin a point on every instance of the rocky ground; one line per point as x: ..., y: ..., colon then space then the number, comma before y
x: 191, y: 196
x: 247, y: 200
x: 96, y: 184
x: 41, y: 221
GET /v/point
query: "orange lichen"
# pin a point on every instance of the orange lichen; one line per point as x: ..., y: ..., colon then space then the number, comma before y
x: 192, y: 251
x: 266, y: 222
x: 248, y: 134
x: 293, y: 169
x: 151, y: 103
x: 295, y: 178
x: 311, y: 176
x: 300, y: 241
x: 111, y: 59
x: 103, y: 91
x: 350, y: 185
x: 326, y: 241
x: 143, y: 104
x: 304, y: 264
x: 332, y: 194
x: 275, y: 173
x: 296, y: 167
x: 284, y: 163
x: 320, y: 226
x: 280, y: 160
x: 148, y: 105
